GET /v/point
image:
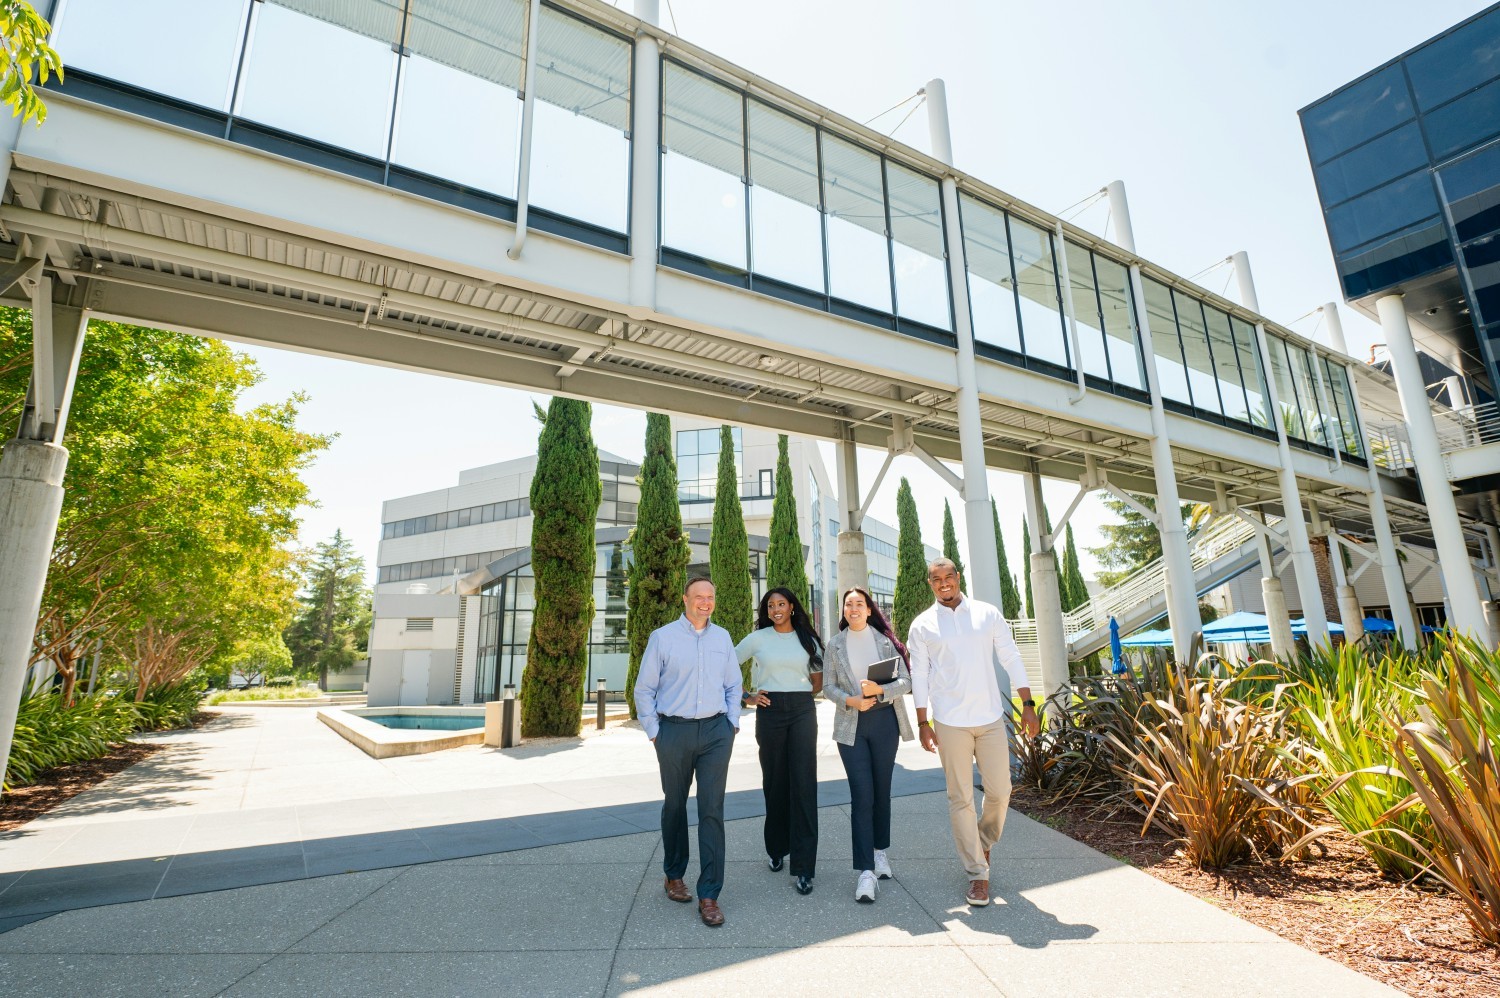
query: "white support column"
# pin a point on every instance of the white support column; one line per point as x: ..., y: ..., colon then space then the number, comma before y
x: 984, y: 557
x: 1291, y: 495
x: 645, y: 159
x: 1051, y: 639
x: 1391, y: 573
x: 1350, y: 613
x: 1465, y: 607
x: 31, y: 493
x: 854, y: 566
x: 1177, y: 559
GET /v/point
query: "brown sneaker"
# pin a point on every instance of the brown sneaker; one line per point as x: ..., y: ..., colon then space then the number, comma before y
x: 708, y: 910
x: 979, y: 893
x: 678, y: 891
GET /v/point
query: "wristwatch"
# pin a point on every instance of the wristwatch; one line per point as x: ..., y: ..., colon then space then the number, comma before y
x: 1028, y: 702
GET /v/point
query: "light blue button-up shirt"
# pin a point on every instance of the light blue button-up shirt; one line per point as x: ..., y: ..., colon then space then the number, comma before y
x: 687, y: 673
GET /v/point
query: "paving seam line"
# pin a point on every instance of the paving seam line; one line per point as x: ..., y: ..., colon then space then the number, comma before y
x: 614, y: 957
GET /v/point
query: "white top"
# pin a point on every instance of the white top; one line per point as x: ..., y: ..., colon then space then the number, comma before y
x: 862, y: 653
x: 953, y: 662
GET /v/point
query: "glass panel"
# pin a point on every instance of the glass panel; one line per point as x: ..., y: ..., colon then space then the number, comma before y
x: 853, y: 195
x: 1200, y: 365
x: 1086, y: 311
x: 1372, y: 164
x: 1161, y: 321
x: 1113, y: 282
x: 1360, y: 112
x: 341, y: 90
x: 1286, y: 394
x: 1318, y: 430
x: 1472, y: 187
x: 703, y: 165
x: 917, y: 244
x: 1461, y: 61
x: 1466, y: 122
x: 1226, y: 364
x: 581, y: 148
x: 1337, y: 379
x: 109, y: 38
x: 1036, y: 280
x: 785, y: 224
x: 992, y: 299
x: 1383, y: 210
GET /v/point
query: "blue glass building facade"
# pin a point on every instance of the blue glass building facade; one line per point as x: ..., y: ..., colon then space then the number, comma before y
x: 1407, y: 165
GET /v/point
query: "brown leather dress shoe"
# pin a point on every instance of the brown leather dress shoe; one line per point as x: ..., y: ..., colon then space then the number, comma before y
x: 678, y: 891
x: 708, y: 910
x: 979, y: 893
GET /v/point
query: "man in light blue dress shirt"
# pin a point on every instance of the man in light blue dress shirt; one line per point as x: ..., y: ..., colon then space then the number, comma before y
x: 687, y: 697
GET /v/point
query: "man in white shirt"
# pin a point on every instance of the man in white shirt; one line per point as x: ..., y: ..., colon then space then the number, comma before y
x: 953, y: 644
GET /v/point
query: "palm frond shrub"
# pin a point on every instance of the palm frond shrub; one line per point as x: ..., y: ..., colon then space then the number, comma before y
x: 1448, y: 754
x: 50, y: 733
x: 166, y: 705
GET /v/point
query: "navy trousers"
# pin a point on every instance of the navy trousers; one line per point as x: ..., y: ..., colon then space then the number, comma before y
x: 869, y: 763
x: 688, y: 749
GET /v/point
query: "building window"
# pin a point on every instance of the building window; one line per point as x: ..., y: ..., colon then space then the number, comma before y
x: 767, y: 482
x: 698, y: 462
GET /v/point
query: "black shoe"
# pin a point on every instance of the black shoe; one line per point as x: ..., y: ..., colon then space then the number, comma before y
x: 776, y: 863
x: 804, y: 885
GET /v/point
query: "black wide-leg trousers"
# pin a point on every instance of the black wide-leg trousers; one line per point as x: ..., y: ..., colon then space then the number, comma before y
x: 787, y: 733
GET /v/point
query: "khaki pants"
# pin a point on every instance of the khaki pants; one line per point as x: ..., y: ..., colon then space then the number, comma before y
x: 960, y: 748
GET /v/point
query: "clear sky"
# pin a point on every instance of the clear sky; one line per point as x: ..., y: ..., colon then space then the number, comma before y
x: 1192, y: 104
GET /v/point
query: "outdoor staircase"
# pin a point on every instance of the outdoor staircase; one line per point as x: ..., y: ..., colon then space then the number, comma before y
x: 1220, y: 551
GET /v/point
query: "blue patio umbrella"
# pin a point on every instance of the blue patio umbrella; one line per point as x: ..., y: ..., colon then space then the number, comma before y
x: 1378, y: 625
x: 1241, y: 626
x: 1115, y: 650
x: 1148, y: 639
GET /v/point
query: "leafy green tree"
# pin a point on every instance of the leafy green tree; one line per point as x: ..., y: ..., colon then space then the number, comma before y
x: 25, y: 56
x: 729, y: 550
x: 1131, y: 543
x: 179, y: 502
x: 950, y: 547
x: 565, y: 494
x: 332, y: 626
x: 659, y: 549
x: 784, y: 561
x: 912, y: 592
x: 1075, y: 591
x: 254, y: 658
x: 1010, y: 595
x: 1026, y: 565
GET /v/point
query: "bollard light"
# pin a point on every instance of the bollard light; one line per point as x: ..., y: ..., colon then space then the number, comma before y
x: 599, y: 708
x: 509, y: 722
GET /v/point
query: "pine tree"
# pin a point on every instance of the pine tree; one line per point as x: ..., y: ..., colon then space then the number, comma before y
x: 913, y: 595
x: 729, y: 551
x: 784, y: 561
x: 950, y: 547
x: 1075, y: 591
x: 1026, y: 566
x: 659, y: 549
x: 1010, y: 595
x: 565, y: 494
x: 333, y: 621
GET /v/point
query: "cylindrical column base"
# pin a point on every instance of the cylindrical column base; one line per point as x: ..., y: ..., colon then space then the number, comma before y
x: 31, y: 495
x: 1283, y: 645
x: 1350, y: 614
x: 854, y: 565
x: 1051, y: 640
x: 1492, y: 614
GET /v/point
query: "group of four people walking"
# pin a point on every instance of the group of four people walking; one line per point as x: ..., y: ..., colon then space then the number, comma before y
x: 689, y: 697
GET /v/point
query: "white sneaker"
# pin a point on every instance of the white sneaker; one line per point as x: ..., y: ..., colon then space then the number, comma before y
x: 882, y: 865
x: 864, y: 891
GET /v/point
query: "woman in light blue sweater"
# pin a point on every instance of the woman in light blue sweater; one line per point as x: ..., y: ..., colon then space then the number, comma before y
x: 786, y: 673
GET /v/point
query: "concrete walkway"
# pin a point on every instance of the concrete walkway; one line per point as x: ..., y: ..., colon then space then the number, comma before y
x: 588, y: 916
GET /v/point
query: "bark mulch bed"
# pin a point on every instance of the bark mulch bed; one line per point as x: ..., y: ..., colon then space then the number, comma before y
x: 60, y: 783
x: 1413, y: 939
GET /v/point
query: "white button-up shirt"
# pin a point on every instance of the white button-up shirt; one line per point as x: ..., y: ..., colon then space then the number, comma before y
x: 953, y: 662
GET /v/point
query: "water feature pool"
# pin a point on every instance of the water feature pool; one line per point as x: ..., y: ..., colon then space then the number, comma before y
x: 424, y: 722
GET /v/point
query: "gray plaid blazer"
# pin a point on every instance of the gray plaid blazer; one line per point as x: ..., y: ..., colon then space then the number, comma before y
x: 840, y: 683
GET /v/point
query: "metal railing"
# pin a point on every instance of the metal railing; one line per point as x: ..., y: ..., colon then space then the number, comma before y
x: 1468, y: 426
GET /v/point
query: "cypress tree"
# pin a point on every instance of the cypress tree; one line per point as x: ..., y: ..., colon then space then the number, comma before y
x: 950, y: 547
x: 658, y: 547
x: 912, y: 592
x: 1074, y: 592
x: 1010, y: 595
x: 729, y: 551
x: 784, y: 563
x: 565, y: 493
x: 1026, y: 566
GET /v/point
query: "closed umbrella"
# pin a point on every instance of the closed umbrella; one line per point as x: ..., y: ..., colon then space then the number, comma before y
x: 1115, y: 650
